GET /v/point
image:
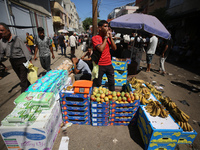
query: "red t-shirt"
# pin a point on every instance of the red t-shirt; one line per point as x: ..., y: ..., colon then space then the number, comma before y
x: 105, y: 56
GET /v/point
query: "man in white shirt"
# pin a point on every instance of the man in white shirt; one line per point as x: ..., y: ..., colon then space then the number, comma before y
x: 153, y: 41
x: 72, y: 43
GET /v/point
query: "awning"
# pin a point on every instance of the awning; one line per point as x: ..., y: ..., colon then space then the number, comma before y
x: 36, y: 7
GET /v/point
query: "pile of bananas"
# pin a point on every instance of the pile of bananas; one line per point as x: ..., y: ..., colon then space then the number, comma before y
x: 136, y: 83
x: 143, y: 92
x: 156, y: 109
x: 168, y: 103
x: 179, y: 116
x: 185, y: 126
x: 143, y: 100
x: 153, y: 90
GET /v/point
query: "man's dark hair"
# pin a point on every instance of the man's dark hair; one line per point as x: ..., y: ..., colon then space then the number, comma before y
x: 40, y: 29
x: 102, y: 22
x: 4, y: 25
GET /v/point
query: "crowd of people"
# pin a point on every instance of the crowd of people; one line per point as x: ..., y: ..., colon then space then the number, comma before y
x: 100, y: 49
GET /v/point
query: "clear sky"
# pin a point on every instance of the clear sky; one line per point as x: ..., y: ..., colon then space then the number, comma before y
x: 84, y: 7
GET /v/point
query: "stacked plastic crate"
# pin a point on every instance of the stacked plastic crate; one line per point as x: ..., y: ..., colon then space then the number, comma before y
x: 120, y: 72
x: 123, y: 113
x: 75, y: 107
x: 100, y: 113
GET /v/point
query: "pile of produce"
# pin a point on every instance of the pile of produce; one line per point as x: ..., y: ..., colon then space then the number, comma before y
x: 102, y: 94
x: 142, y: 91
x: 179, y: 116
x: 156, y: 109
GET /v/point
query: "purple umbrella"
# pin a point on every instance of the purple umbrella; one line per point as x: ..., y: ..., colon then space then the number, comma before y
x: 144, y: 22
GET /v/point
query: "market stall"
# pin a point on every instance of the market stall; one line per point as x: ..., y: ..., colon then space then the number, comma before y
x: 55, y: 98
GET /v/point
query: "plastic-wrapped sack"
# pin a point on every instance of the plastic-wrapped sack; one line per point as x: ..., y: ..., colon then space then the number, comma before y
x: 95, y: 70
x: 32, y: 75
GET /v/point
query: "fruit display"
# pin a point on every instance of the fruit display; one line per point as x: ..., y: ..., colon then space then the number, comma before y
x: 156, y: 109
x: 102, y: 94
x: 154, y: 91
x: 185, y: 126
x: 179, y: 116
x: 141, y: 90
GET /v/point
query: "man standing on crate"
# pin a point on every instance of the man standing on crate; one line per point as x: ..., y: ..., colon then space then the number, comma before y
x: 102, y: 43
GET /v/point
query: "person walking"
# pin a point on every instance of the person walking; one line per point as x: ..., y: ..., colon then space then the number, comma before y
x: 15, y: 49
x: 72, y: 43
x: 30, y: 42
x: 55, y: 41
x: 153, y: 41
x: 102, y: 43
x: 61, y: 42
x: 44, y: 46
x: 164, y: 54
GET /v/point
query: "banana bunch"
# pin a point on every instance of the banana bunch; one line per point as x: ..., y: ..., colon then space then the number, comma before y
x: 143, y: 100
x: 179, y: 115
x: 136, y: 83
x: 167, y: 102
x: 146, y: 92
x: 185, y: 126
x: 156, y: 109
x: 153, y: 90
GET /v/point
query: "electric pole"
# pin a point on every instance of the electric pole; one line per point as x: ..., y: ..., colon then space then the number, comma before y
x: 94, y: 17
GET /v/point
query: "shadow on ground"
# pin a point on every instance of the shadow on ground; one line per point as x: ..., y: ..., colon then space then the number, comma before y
x: 135, y: 135
x: 187, y: 87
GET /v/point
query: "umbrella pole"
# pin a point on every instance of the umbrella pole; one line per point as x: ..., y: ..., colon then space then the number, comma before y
x: 133, y: 47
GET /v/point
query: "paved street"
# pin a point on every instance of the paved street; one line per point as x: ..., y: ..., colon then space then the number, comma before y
x: 179, y: 84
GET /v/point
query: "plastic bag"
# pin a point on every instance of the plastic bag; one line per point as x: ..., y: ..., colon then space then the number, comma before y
x: 32, y: 75
x: 95, y: 70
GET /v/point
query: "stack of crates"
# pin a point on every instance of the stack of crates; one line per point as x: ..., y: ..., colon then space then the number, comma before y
x: 120, y: 72
x: 75, y: 107
x: 123, y: 113
x: 157, y: 132
x: 99, y: 113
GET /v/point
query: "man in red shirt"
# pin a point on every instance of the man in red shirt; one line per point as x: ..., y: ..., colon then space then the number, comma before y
x: 102, y: 43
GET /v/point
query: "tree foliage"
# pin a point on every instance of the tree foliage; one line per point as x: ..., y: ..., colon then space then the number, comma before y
x: 87, y: 22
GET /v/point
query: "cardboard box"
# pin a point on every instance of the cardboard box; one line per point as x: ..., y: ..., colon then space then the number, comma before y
x: 40, y: 135
x: 119, y: 64
x: 120, y: 82
x: 187, y: 137
x: 157, y: 131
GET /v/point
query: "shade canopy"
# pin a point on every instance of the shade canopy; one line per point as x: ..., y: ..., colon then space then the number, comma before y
x: 63, y: 31
x: 138, y: 21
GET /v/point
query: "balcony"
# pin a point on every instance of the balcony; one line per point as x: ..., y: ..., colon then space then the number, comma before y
x: 57, y: 6
x: 57, y: 19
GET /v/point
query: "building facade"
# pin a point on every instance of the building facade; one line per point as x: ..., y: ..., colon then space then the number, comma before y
x: 119, y: 11
x: 73, y: 21
x: 28, y: 15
